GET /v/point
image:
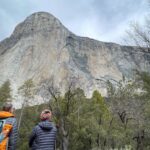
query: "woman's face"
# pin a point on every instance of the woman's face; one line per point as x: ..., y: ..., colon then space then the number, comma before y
x: 46, y: 115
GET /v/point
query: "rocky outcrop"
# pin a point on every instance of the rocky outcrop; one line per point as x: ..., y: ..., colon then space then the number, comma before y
x: 41, y: 47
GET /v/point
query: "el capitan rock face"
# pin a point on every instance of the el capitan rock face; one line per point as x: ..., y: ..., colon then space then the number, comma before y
x: 41, y: 47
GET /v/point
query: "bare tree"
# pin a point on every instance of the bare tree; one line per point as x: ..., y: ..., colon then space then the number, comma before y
x: 139, y: 35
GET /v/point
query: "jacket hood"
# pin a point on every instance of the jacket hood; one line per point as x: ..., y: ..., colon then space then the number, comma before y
x: 5, y: 114
x: 46, y: 125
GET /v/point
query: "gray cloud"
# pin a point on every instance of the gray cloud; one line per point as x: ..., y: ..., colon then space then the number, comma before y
x: 105, y: 20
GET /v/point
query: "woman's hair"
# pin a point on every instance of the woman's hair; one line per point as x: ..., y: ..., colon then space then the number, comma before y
x: 7, y: 107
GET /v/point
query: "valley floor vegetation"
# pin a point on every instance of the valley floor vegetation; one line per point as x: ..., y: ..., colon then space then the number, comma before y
x: 120, y: 121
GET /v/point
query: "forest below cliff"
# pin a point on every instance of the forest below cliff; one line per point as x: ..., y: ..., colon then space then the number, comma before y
x: 119, y: 121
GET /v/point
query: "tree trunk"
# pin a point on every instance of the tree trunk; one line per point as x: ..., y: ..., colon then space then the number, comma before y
x: 20, y: 118
x: 65, y: 143
x: 65, y: 138
x: 140, y: 140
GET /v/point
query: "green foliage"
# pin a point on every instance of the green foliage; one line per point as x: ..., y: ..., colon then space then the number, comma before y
x: 144, y: 83
x: 129, y: 102
x: 100, y: 121
x: 5, y: 92
x: 27, y: 92
x: 83, y: 122
x: 27, y: 89
x: 117, y: 122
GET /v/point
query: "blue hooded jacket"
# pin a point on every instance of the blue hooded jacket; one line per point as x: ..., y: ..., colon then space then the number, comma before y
x: 43, y: 136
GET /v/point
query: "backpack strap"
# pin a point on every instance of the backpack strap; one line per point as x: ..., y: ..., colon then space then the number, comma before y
x: 2, y: 123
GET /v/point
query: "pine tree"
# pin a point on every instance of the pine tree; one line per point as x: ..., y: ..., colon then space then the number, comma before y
x: 5, y: 92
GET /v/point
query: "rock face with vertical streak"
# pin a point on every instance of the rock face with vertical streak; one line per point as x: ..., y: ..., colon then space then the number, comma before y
x: 41, y: 47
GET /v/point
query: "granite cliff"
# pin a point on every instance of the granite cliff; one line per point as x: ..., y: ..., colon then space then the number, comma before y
x: 41, y: 47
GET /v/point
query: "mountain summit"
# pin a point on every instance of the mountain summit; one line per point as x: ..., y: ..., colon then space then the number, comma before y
x: 41, y: 47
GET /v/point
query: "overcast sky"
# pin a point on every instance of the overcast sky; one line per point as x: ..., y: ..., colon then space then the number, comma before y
x: 104, y: 20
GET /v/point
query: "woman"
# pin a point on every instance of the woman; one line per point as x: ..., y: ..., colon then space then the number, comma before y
x: 44, y: 134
